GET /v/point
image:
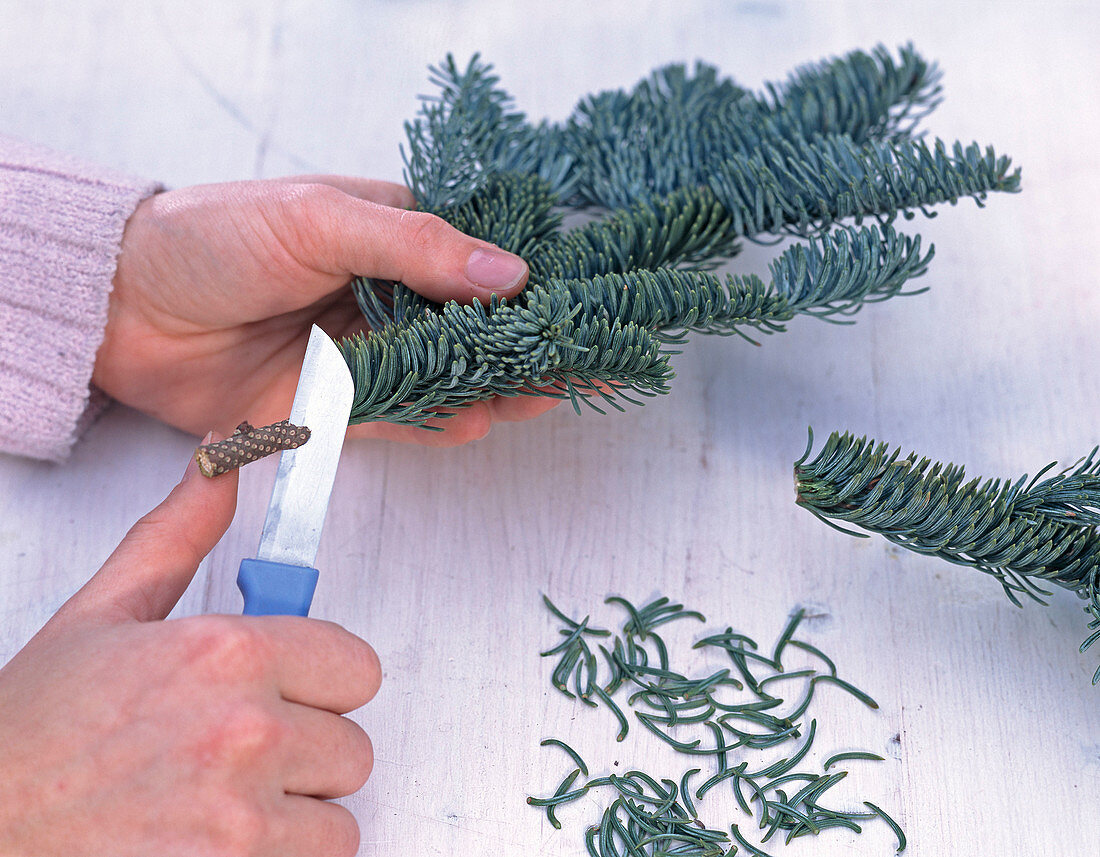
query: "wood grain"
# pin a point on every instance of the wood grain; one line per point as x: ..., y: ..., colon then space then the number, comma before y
x: 439, y: 557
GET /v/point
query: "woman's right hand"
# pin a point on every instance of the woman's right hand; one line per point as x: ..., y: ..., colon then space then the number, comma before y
x: 123, y: 733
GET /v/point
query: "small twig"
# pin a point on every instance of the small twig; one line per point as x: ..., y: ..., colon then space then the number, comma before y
x: 248, y: 443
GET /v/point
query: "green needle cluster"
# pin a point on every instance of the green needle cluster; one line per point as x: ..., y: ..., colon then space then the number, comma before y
x: 735, y: 722
x: 1021, y: 531
x: 674, y: 175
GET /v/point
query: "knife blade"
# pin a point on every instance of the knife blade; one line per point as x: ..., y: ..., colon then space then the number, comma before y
x: 281, y: 578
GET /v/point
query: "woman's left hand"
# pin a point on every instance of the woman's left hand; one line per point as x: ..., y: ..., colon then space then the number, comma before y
x: 218, y: 285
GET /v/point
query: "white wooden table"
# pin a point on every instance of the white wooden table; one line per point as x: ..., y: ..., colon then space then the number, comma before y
x: 439, y: 558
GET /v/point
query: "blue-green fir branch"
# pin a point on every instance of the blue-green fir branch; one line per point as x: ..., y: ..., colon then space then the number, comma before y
x: 688, y: 227
x: 803, y: 186
x: 1022, y: 531
x: 836, y: 274
x: 551, y: 335
x: 519, y: 213
x: 516, y: 212
x: 863, y: 95
x: 669, y: 133
x: 827, y: 277
x: 470, y: 131
x: 405, y: 372
x: 671, y: 130
x: 832, y: 275
x: 718, y: 165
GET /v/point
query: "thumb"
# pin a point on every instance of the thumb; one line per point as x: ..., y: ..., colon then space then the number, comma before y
x: 148, y: 572
x: 416, y: 248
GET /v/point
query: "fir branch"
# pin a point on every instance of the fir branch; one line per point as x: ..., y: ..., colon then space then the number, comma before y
x: 641, y: 145
x: 514, y: 211
x: 670, y: 302
x: 672, y: 128
x: 449, y: 144
x: 837, y: 274
x: 718, y: 164
x: 470, y: 131
x: 833, y: 275
x: 830, y: 276
x: 688, y: 227
x: 405, y: 372
x: 862, y: 95
x: 1017, y: 531
x: 802, y: 186
x: 517, y: 213
x: 384, y: 302
x: 376, y: 299
x: 537, y: 333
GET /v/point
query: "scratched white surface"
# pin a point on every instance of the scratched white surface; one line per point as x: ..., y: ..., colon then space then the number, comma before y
x: 439, y: 557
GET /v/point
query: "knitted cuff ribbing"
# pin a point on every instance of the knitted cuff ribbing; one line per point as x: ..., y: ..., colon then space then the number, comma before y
x: 61, y: 224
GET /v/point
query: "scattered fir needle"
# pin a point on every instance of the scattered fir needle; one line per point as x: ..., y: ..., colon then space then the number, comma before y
x: 748, y: 846
x: 573, y: 754
x: 730, y: 725
x: 852, y: 754
x: 893, y: 825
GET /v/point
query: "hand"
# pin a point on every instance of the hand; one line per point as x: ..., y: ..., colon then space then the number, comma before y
x: 123, y: 735
x: 217, y: 287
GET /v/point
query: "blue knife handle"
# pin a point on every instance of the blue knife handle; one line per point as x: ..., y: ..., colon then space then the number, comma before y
x: 275, y: 588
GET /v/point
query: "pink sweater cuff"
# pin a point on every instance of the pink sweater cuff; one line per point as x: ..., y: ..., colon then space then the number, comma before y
x: 61, y: 225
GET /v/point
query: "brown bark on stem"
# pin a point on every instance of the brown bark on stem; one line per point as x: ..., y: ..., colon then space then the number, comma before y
x: 248, y: 443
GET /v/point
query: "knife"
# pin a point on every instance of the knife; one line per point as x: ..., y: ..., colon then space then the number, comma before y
x: 281, y: 579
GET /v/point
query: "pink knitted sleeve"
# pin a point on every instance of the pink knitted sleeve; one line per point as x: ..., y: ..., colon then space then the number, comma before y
x: 61, y: 225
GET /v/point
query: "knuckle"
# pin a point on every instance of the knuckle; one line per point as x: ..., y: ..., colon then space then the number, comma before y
x: 158, y: 531
x: 424, y: 232
x: 238, y: 827
x: 254, y: 730
x: 224, y: 648
x: 243, y: 733
x: 311, y: 197
x: 303, y: 215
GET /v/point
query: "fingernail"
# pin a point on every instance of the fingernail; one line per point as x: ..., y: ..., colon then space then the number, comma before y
x: 193, y: 464
x: 492, y: 269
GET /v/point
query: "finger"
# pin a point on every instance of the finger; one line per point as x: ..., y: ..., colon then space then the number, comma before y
x: 318, y: 663
x: 445, y: 438
x: 453, y: 427
x: 467, y: 424
x: 350, y: 237
x: 153, y: 565
x: 375, y: 190
x: 507, y: 409
x: 306, y: 825
x: 327, y: 756
x: 463, y: 425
